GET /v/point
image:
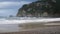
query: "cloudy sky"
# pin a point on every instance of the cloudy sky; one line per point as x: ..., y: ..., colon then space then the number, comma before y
x: 10, y: 7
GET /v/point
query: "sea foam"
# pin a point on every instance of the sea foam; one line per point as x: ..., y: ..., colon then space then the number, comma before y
x: 23, y: 20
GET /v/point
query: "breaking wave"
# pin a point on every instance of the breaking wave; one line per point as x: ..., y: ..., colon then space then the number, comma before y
x: 21, y: 20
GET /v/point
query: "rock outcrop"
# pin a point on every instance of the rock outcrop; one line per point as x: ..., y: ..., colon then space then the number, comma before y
x: 38, y: 8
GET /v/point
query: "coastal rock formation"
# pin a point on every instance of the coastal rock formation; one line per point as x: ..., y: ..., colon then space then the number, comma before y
x: 40, y: 8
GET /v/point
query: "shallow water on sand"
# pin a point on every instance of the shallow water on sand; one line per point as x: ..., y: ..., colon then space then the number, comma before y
x: 9, y: 28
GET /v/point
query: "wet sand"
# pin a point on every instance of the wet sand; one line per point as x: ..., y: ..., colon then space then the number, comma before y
x: 48, y: 28
x: 45, y: 30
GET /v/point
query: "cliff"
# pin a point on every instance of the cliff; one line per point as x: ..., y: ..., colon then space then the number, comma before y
x: 38, y: 8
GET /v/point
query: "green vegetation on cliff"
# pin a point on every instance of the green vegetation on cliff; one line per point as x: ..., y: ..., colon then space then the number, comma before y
x: 39, y: 8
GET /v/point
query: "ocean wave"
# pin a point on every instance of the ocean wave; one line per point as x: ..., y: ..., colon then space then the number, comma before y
x: 27, y: 20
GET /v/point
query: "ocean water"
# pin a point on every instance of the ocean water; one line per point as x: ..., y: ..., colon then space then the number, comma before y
x: 11, y: 24
x: 22, y: 20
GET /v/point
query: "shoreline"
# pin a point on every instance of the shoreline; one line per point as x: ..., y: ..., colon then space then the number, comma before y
x: 38, y: 28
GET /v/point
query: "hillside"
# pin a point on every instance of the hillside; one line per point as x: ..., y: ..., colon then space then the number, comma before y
x: 41, y: 8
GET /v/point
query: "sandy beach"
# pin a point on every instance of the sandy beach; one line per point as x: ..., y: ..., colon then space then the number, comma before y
x: 47, y: 29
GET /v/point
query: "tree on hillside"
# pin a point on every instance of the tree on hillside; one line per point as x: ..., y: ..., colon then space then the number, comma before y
x: 39, y: 7
x: 51, y: 8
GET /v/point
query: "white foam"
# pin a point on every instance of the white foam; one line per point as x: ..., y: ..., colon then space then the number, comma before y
x: 28, y: 21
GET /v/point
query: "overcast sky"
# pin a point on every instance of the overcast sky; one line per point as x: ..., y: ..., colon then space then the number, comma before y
x: 10, y: 7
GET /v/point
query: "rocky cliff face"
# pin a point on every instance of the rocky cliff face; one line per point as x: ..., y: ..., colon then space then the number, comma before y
x: 38, y: 8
